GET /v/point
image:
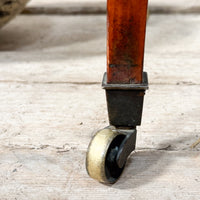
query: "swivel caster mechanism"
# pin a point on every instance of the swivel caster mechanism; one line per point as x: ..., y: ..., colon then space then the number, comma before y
x: 125, y: 84
x: 107, y: 153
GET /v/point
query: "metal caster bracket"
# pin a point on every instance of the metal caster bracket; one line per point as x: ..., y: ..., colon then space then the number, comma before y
x: 126, y: 147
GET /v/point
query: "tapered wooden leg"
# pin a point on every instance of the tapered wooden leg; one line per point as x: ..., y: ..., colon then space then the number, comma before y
x: 126, y: 24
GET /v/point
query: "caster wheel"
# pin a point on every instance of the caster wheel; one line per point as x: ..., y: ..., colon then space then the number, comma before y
x: 101, y: 156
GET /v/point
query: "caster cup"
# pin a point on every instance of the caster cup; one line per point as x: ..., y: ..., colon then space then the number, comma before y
x: 101, y: 156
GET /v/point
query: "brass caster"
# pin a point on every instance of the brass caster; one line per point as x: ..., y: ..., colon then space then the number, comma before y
x: 101, y: 156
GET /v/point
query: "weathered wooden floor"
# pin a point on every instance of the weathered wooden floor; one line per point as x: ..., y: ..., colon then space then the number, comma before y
x: 99, y: 6
x: 51, y: 103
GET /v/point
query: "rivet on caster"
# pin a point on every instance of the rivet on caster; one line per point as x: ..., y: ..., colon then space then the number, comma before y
x: 125, y: 84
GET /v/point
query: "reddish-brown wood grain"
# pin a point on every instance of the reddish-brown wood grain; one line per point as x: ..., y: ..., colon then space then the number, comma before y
x: 126, y: 25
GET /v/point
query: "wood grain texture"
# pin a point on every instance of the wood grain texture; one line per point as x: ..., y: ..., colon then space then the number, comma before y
x: 52, y: 104
x: 48, y: 174
x: 48, y: 55
x: 178, y: 6
x: 99, y: 7
x: 45, y: 130
x: 48, y: 115
x: 126, y: 25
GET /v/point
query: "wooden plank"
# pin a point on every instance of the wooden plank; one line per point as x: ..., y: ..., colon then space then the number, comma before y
x: 49, y: 174
x: 89, y: 6
x: 73, y: 49
x: 45, y: 130
x: 62, y: 115
x: 178, y: 6
x: 65, y: 7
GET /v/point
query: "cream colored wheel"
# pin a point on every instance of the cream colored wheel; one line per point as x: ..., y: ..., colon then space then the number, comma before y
x: 101, y: 156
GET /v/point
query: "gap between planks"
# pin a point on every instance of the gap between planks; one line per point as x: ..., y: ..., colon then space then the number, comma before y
x: 68, y: 7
